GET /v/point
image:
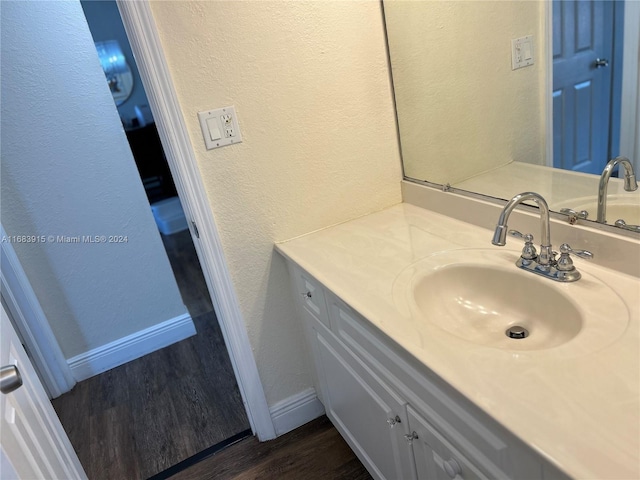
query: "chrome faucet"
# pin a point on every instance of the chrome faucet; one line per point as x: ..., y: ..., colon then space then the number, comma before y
x: 630, y: 183
x: 543, y: 263
x: 545, y: 257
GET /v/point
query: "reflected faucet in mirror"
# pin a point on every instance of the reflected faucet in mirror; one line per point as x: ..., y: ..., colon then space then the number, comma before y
x: 543, y: 263
x: 630, y: 185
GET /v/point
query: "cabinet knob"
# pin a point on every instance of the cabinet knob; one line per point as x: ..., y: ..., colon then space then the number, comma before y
x: 410, y: 437
x: 452, y: 467
x: 393, y: 421
x: 306, y: 294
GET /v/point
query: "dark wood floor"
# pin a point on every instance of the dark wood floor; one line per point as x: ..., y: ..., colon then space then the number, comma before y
x: 313, y: 452
x: 141, y: 418
x: 186, y: 268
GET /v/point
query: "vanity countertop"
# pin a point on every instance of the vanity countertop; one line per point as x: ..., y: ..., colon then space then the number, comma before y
x: 581, y: 412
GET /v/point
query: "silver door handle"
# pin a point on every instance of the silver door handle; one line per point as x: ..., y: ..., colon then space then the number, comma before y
x: 10, y: 379
x: 601, y: 62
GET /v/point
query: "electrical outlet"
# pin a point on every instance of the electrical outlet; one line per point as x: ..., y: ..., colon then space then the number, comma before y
x: 522, y: 52
x: 218, y: 122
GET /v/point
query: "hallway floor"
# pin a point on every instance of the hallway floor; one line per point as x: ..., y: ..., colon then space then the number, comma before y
x: 138, y: 420
x: 315, y: 451
x: 141, y: 418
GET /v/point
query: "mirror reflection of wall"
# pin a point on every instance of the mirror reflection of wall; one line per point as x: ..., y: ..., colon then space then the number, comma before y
x: 461, y: 109
x: 469, y: 119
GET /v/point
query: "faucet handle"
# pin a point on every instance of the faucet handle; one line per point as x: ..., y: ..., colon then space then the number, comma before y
x: 528, y: 251
x: 569, y: 211
x: 527, y: 237
x: 622, y: 224
x: 564, y: 263
x: 565, y: 248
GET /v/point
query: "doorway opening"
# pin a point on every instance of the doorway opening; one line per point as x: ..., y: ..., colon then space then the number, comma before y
x: 148, y: 416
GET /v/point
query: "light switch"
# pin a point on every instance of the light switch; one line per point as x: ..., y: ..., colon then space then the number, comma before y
x: 522, y: 52
x: 214, y: 129
x: 526, y: 51
x: 220, y: 127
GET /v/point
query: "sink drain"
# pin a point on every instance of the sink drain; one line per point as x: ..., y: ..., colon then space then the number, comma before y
x: 517, y: 332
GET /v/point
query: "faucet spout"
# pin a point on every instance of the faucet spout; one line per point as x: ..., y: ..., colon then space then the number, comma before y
x: 500, y: 234
x: 630, y: 183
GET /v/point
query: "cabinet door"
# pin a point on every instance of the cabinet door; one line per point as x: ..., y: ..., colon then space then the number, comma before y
x: 370, y: 416
x: 436, y: 458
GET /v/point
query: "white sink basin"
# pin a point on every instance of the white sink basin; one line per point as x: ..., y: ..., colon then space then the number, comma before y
x: 625, y: 207
x: 478, y: 294
x: 480, y: 302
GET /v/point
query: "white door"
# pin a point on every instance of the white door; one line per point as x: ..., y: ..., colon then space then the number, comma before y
x: 33, y: 443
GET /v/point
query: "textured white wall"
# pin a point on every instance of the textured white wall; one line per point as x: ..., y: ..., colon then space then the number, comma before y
x: 461, y: 109
x: 311, y: 88
x: 67, y: 170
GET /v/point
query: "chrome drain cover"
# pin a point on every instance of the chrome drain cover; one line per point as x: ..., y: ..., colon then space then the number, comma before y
x: 517, y: 332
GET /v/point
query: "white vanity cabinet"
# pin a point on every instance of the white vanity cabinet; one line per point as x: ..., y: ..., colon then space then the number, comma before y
x: 367, y: 412
x: 371, y: 415
x: 401, y: 420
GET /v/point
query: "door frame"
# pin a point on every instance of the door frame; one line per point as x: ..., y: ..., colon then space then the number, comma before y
x: 154, y: 72
x: 31, y: 323
x: 630, y: 108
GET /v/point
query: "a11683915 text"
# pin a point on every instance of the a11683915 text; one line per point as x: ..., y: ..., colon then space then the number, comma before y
x: 64, y: 239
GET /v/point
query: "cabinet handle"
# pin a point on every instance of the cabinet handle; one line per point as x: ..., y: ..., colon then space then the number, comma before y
x: 410, y: 437
x: 393, y: 421
x: 306, y: 294
x: 452, y: 467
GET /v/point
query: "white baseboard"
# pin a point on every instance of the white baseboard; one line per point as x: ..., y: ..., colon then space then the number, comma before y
x: 132, y: 346
x: 295, y: 411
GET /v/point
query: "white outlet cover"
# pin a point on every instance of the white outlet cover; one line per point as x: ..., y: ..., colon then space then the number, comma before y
x: 522, y: 52
x: 220, y: 127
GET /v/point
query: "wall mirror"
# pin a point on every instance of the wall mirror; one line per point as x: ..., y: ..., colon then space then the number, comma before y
x: 116, y: 69
x: 467, y: 118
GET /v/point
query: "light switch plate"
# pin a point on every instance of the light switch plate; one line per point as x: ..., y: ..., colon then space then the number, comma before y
x: 220, y: 127
x: 521, y: 52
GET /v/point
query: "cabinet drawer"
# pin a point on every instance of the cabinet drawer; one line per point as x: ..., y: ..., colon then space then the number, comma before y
x: 482, y: 440
x: 311, y: 296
